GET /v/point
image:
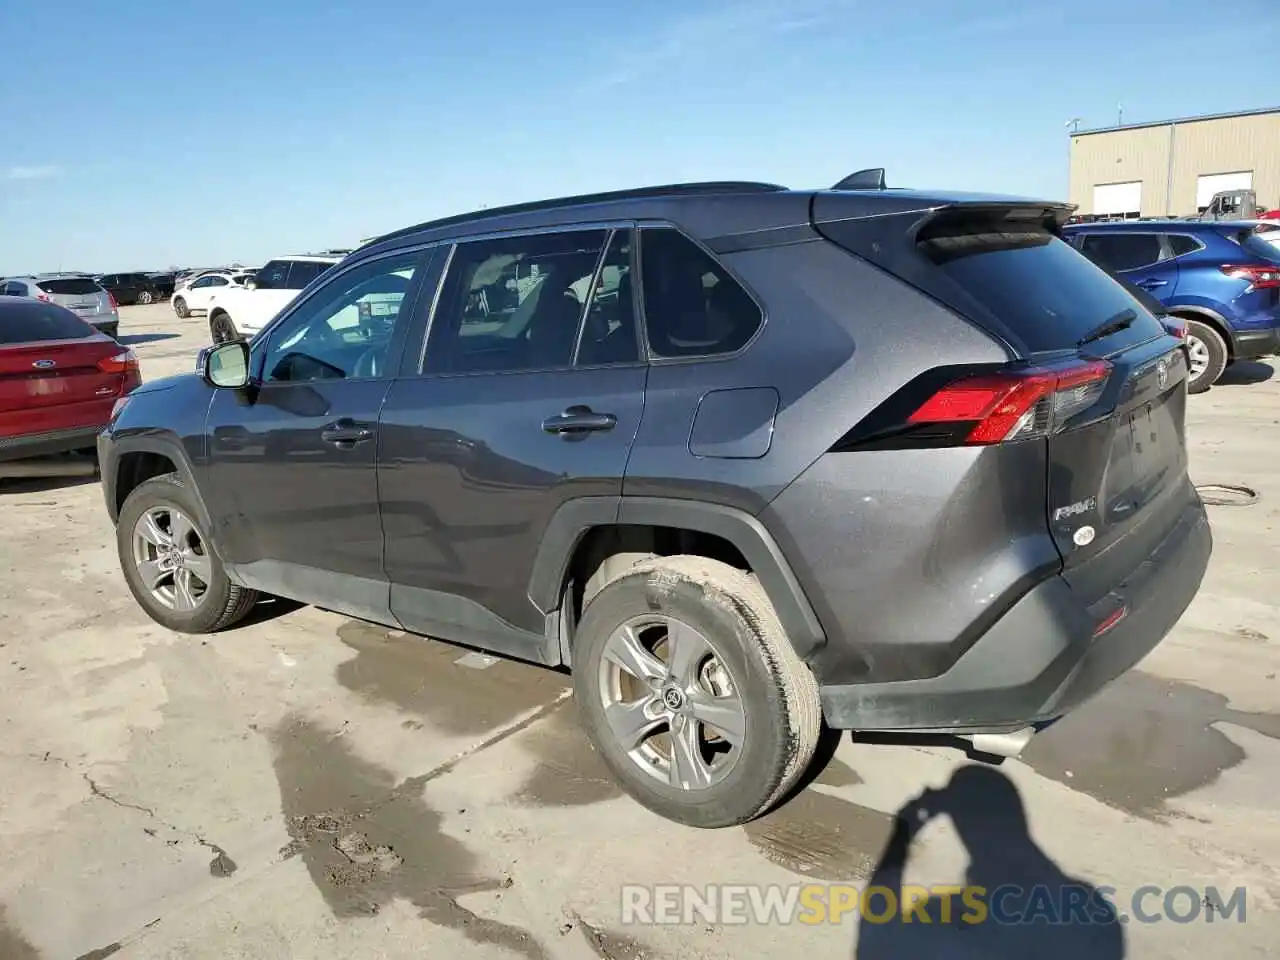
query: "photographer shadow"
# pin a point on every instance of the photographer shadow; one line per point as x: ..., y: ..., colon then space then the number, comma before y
x: 1030, y: 909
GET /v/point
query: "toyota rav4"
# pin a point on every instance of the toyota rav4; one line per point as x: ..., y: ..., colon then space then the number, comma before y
x: 744, y: 459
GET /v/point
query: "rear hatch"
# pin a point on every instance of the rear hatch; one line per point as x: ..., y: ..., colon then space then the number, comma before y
x: 81, y: 295
x: 56, y: 371
x: 1092, y: 374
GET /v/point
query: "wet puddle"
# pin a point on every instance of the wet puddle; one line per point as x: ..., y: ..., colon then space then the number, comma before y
x: 1144, y: 741
x: 13, y: 945
x: 823, y: 837
x: 569, y: 773
x: 367, y: 840
x: 422, y: 676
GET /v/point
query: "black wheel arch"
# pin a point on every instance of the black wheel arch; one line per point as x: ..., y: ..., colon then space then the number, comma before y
x: 134, y: 460
x: 1210, y: 318
x: 575, y: 519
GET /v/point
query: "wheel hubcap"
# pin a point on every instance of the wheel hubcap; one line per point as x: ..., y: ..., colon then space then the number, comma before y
x: 671, y: 703
x: 171, y: 560
x: 1199, y: 353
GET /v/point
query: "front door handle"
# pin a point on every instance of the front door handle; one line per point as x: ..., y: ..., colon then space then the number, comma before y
x: 578, y: 420
x: 346, y: 433
x: 1152, y: 284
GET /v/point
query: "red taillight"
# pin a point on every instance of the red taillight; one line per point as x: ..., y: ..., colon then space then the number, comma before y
x: 45, y: 297
x: 111, y: 299
x: 125, y: 362
x: 1175, y: 327
x: 1261, y: 277
x: 1016, y: 404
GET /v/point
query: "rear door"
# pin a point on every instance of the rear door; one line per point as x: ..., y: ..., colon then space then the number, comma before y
x: 56, y: 372
x: 81, y: 295
x: 528, y: 394
x: 1143, y: 259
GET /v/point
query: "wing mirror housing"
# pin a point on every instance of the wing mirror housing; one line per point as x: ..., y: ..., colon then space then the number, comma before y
x: 225, y: 365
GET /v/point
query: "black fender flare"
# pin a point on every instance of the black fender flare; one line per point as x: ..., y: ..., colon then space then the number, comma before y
x: 168, y: 447
x: 572, y: 521
x: 1215, y: 319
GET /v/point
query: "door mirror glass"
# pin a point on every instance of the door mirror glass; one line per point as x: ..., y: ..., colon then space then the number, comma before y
x: 227, y: 364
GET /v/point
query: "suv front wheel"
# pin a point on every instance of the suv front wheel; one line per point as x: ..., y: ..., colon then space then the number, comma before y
x: 168, y: 563
x: 691, y: 692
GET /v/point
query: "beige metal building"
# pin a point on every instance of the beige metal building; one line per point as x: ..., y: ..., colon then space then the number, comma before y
x: 1174, y: 167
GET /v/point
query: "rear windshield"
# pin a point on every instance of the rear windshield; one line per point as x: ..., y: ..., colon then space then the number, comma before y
x: 1044, y: 291
x: 73, y: 287
x: 28, y: 322
x: 1253, y: 244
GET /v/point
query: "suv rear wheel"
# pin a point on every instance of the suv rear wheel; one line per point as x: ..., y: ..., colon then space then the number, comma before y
x: 1208, y: 355
x: 692, y: 693
x: 171, y: 570
x: 180, y: 308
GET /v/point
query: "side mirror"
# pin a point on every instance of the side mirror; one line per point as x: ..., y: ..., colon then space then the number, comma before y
x: 251, y: 284
x: 225, y: 365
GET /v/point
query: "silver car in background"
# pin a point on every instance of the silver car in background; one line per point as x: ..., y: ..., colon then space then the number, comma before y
x: 82, y: 295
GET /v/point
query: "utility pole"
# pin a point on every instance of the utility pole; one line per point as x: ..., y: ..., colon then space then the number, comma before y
x: 1074, y: 124
x: 1120, y: 111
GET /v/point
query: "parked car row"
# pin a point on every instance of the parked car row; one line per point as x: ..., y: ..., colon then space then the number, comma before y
x: 137, y: 288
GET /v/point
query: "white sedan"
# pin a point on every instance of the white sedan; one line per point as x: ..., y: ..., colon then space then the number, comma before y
x: 195, y: 297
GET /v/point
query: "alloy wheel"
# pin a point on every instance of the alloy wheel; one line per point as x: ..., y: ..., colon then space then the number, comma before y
x: 171, y: 559
x: 671, y: 703
x: 1199, y: 356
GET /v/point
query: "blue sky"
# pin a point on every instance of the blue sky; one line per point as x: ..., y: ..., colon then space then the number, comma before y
x: 143, y: 133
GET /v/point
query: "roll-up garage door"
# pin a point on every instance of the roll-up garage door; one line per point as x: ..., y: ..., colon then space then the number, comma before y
x: 1118, y: 199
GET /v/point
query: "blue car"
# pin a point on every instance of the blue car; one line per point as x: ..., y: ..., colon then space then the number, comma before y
x: 1219, y: 277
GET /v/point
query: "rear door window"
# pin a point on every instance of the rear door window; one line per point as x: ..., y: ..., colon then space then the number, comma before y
x: 1181, y: 244
x: 22, y: 322
x: 70, y: 287
x: 1046, y: 293
x: 1123, y: 251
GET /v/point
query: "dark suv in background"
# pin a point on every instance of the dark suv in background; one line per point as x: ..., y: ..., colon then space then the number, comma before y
x: 1220, y: 277
x: 131, y: 288
x: 744, y: 458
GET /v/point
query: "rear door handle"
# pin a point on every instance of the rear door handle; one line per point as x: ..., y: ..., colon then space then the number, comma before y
x: 577, y: 420
x: 346, y: 433
x: 1152, y: 284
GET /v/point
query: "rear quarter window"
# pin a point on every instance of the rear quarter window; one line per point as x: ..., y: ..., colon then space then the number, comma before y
x: 1045, y: 292
x: 72, y: 287
x: 38, y: 322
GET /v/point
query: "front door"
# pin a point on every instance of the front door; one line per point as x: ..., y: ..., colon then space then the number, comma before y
x: 293, y: 457
x: 529, y: 394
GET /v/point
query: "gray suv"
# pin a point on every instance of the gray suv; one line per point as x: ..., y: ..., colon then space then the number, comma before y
x: 82, y: 295
x: 744, y: 459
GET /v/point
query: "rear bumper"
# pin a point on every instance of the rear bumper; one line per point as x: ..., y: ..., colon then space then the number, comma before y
x: 1251, y: 344
x: 1040, y: 660
x: 48, y: 443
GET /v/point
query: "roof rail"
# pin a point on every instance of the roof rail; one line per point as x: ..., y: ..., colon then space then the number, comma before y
x: 869, y: 179
x: 709, y: 188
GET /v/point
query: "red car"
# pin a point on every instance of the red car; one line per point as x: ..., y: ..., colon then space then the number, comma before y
x: 59, y: 379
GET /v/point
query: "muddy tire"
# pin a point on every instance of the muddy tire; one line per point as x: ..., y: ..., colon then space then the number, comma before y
x: 167, y: 561
x: 181, y: 309
x: 1208, y: 355
x: 691, y: 692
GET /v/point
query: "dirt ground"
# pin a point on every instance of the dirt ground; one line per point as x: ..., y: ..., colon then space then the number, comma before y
x: 307, y: 786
